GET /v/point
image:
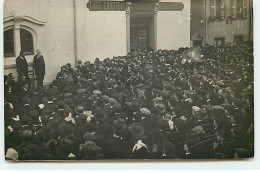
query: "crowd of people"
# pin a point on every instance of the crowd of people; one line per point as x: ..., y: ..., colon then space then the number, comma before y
x: 145, y: 105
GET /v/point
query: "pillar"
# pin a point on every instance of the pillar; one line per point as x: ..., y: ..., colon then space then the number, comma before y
x: 128, y: 5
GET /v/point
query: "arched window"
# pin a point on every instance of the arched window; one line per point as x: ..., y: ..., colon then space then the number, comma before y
x: 9, y: 43
x: 26, y: 39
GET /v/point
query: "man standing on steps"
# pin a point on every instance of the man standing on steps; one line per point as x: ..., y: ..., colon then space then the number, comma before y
x: 22, y: 68
x: 39, y: 67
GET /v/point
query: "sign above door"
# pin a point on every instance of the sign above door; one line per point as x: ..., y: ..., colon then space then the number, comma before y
x: 135, y: 6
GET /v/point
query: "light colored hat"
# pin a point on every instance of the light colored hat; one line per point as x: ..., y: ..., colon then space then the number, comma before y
x: 145, y: 111
x: 198, y: 130
x: 97, y: 92
x: 11, y: 154
x: 220, y: 83
x: 195, y: 108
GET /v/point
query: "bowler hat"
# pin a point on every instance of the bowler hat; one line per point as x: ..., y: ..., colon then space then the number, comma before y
x: 89, y: 136
x: 67, y: 130
x: 120, y: 124
x: 136, y: 129
x: 145, y: 112
x: 100, y: 114
x: 163, y: 124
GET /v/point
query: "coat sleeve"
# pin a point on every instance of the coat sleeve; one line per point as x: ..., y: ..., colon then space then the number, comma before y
x: 43, y: 65
x: 18, y: 67
x: 34, y: 62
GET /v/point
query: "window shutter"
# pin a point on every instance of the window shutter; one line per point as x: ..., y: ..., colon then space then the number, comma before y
x: 240, y: 8
x: 234, y: 8
x: 213, y: 8
x: 223, y: 8
x: 245, y: 7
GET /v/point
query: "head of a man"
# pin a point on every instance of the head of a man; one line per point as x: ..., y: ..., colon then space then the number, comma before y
x: 38, y: 51
x: 21, y: 53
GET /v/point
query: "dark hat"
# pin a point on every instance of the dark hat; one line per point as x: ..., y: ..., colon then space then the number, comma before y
x: 66, y: 95
x: 46, y: 130
x: 117, y: 107
x: 89, y: 136
x: 164, y: 94
x: 67, y: 130
x: 163, y: 124
x: 61, y: 103
x: 79, y: 109
x: 136, y: 129
x: 197, y: 130
x: 112, y: 101
x: 25, y: 119
x: 16, y: 125
x: 180, y: 124
x: 24, y: 100
x: 93, y: 97
x: 54, y: 123
x: 140, y: 101
x: 100, y: 114
x: 105, y: 98
x: 161, y: 108
x: 135, y: 106
x: 120, y: 124
x: 91, y: 149
x: 68, y: 100
x: 26, y: 134
x: 47, y: 111
x: 80, y: 91
x: 33, y: 113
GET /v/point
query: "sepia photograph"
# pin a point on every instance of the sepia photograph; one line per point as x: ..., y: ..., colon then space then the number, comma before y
x: 128, y: 80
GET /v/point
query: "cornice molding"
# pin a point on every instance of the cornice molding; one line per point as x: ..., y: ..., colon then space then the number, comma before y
x: 17, y: 17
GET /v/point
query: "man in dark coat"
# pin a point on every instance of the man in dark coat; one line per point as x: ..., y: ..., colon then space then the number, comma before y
x: 39, y: 67
x: 22, y: 67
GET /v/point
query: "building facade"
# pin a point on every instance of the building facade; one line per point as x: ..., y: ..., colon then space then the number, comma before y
x: 221, y: 21
x: 71, y: 30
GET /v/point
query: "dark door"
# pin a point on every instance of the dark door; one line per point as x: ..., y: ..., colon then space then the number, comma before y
x: 139, y: 33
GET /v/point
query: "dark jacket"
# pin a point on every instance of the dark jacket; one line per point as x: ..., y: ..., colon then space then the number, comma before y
x: 39, y: 65
x: 21, y: 65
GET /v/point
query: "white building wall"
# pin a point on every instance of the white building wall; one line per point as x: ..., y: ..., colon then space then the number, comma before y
x: 97, y: 34
x: 105, y: 34
x: 173, y: 27
x: 222, y: 29
x: 55, y: 38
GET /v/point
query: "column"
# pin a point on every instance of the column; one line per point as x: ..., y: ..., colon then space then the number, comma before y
x: 128, y: 5
x: 17, y: 42
x: 155, y: 25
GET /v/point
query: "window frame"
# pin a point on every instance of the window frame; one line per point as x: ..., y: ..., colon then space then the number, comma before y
x: 13, y: 51
x: 241, y: 35
x: 17, y: 39
x: 220, y: 38
x: 31, y: 52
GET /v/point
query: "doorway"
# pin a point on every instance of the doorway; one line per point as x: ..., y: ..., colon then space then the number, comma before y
x: 141, y: 33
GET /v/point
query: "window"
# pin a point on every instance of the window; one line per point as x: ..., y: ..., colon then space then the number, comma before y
x: 233, y: 8
x: 197, y: 43
x: 213, y: 9
x: 26, y: 42
x: 220, y: 40
x: 9, y: 43
x: 240, y: 8
x: 238, y: 38
x: 26, y: 39
x: 218, y: 9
